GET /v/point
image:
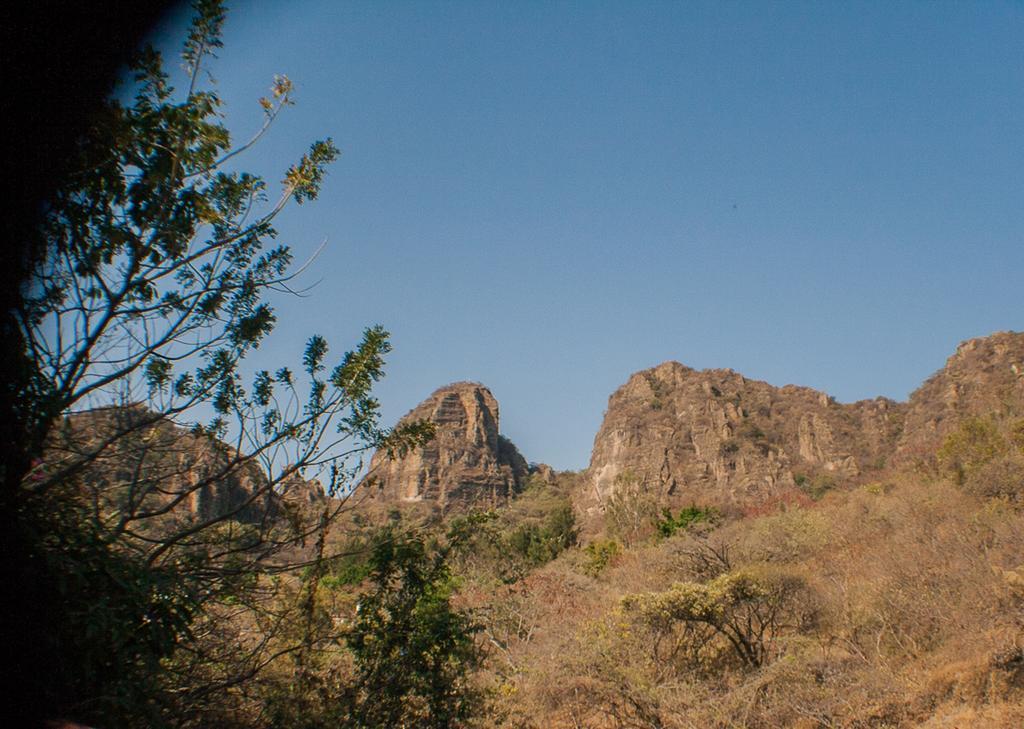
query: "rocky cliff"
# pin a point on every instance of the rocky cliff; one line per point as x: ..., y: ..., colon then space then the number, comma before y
x: 468, y: 461
x: 152, y: 465
x: 984, y: 377
x: 711, y: 436
x: 714, y: 436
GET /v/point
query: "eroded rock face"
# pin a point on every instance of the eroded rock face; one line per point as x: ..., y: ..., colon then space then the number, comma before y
x: 984, y: 377
x: 468, y: 461
x: 714, y: 435
x: 151, y: 465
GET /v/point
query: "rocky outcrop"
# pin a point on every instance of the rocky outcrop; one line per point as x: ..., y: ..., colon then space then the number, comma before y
x: 984, y: 377
x: 467, y: 462
x: 713, y: 436
x: 710, y: 436
x: 139, y: 461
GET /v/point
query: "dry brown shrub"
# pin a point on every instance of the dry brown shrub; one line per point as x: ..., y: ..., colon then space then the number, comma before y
x: 975, y: 681
x: 1002, y: 477
x: 994, y: 716
x: 919, y: 589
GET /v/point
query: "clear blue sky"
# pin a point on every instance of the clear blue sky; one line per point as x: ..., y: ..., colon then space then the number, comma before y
x: 547, y: 197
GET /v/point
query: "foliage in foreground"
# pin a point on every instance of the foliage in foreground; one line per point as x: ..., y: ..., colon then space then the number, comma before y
x: 895, y: 605
x: 136, y: 606
x: 391, y: 650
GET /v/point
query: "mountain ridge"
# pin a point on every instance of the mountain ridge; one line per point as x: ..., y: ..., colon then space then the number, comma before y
x: 716, y: 435
x: 710, y: 436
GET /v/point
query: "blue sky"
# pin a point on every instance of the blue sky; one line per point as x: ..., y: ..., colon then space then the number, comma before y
x: 547, y: 197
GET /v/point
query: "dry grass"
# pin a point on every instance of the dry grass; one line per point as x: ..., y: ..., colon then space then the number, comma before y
x: 918, y: 599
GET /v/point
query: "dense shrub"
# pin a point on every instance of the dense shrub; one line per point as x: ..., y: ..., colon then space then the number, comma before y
x: 506, y: 545
x: 747, y: 608
x: 599, y: 555
x: 976, y: 442
x: 1002, y: 477
x: 540, y: 543
x: 631, y: 509
x: 816, y: 485
x: 687, y: 517
x: 396, y: 652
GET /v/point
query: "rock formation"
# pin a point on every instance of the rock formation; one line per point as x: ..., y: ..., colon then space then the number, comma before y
x: 153, y: 465
x: 713, y: 436
x: 468, y: 461
x: 984, y: 377
x: 710, y: 437
x: 698, y: 435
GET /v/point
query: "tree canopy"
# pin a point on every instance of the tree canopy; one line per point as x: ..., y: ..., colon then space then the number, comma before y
x: 159, y: 260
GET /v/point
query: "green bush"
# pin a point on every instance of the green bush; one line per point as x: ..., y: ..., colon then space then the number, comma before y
x: 669, y: 525
x: 815, y: 486
x: 599, y: 555
x: 412, y: 649
x: 540, y: 543
x: 350, y: 567
x: 820, y: 485
x: 536, y: 527
x: 405, y: 654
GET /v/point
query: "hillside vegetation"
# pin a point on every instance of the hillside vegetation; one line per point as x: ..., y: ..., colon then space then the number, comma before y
x: 740, y: 555
x: 197, y: 535
x: 798, y: 586
x: 899, y: 602
x: 893, y: 602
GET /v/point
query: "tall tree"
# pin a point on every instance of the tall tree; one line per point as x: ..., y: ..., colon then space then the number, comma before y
x: 158, y: 254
